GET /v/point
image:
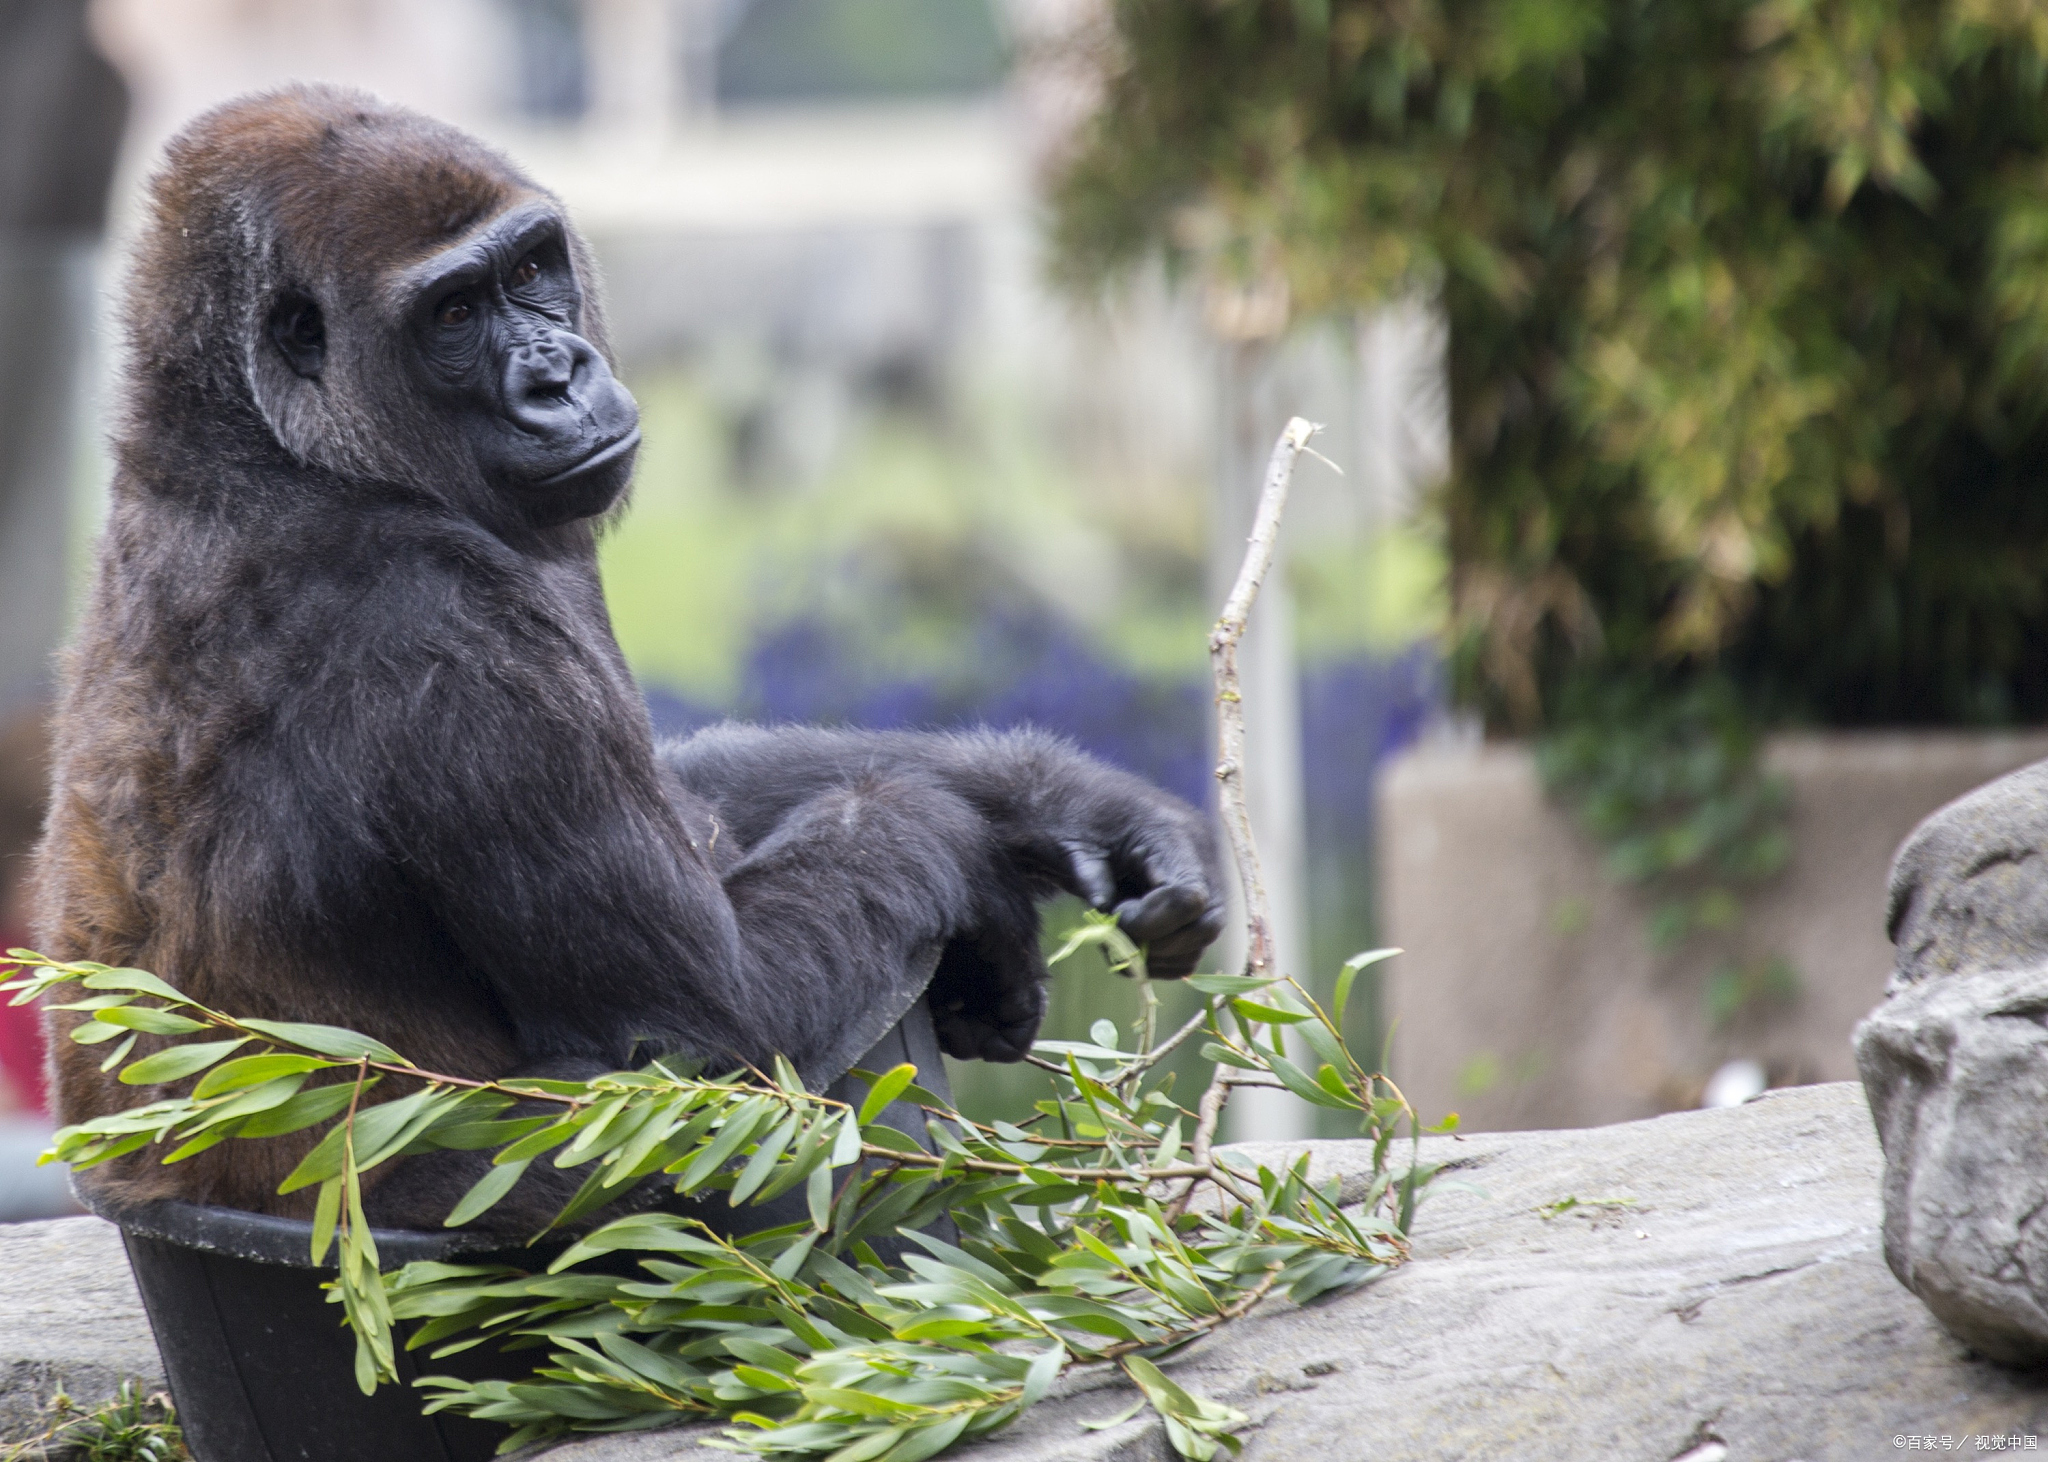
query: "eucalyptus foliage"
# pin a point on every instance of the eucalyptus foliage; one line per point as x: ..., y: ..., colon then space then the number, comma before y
x: 1106, y: 1229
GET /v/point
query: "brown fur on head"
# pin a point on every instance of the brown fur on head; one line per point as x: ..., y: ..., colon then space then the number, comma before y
x: 320, y: 191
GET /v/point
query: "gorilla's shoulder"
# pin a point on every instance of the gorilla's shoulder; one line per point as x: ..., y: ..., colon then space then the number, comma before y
x: 1969, y: 888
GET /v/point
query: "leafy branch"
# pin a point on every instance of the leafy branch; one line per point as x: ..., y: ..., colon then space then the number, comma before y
x: 803, y: 1336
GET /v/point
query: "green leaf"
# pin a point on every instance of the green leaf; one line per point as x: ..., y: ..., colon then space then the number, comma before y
x: 1348, y: 974
x: 140, y: 981
x: 147, y: 1018
x: 885, y: 1090
x: 928, y: 1441
x: 818, y: 1196
x: 254, y: 1071
x: 303, y: 1111
x: 487, y: 1190
x: 1223, y: 1055
x: 211, y: 1137
x: 1045, y: 1369
x: 1269, y: 1014
x: 763, y: 1380
x: 755, y: 1173
x: 1325, y: 1043
x: 739, y: 1126
x: 1328, y: 1078
x: 481, y: 1136
x: 119, y: 1054
x: 1228, y: 984
x: 1297, y: 1081
x: 326, y: 1213
x: 1160, y: 1391
x: 92, y: 1032
x: 387, y: 1129
x: 846, y: 1145
x: 534, y: 1144
x: 328, y: 1040
x: 322, y: 1163
x: 1118, y: 1420
x: 175, y: 1062
x: 272, y: 1093
x: 860, y: 1403
x: 893, y: 1140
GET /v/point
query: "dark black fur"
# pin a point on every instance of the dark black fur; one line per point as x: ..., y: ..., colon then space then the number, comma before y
x: 346, y: 736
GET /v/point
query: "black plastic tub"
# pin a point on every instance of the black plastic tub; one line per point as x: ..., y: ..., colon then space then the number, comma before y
x: 259, y: 1363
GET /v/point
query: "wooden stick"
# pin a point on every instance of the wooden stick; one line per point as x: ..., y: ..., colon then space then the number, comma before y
x: 1237, y: 823
x: 1223, y: 642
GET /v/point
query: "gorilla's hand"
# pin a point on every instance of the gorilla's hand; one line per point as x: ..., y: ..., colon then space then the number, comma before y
x: 1055, y: 819
x: 1158, y: 873
x: 1109, y: 838
x: 988, y: 994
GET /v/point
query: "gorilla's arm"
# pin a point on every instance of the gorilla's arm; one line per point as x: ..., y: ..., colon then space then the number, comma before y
x: 518, y: 791
x: 1060, y: 820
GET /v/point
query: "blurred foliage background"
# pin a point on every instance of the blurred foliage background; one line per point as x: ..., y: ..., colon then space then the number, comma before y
x: 1746, y: 311
x: 1746, y: 348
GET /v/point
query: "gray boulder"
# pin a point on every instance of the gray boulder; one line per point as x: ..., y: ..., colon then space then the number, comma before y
x: 1955, y: 1064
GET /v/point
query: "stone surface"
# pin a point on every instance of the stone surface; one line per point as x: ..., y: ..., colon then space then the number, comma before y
x: 1956, y: 1070
x: 69, y: 1317
x: 1955, y: 1063
x: 1742, y: 1296
x: 1552, y: 1010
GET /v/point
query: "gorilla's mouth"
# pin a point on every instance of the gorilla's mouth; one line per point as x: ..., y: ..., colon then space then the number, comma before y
x: 604, y: 456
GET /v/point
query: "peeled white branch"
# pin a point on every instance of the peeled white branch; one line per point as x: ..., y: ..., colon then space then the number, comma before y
x: 1237, y: 823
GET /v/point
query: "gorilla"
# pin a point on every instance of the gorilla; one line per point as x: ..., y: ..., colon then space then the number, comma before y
x: 344, y: 734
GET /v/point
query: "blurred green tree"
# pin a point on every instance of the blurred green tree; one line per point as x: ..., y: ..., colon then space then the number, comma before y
x: 1748, y: 310
x: 1748, y: 355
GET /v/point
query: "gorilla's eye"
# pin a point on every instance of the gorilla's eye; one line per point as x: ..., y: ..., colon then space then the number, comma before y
x: 299, y: 332
x: 452, y: 311
x: 526, y: 271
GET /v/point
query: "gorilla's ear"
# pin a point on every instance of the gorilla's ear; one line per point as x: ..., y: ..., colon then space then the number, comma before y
x: 299, y: 332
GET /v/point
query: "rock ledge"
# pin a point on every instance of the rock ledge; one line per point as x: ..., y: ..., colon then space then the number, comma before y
x: 1741, y: 1297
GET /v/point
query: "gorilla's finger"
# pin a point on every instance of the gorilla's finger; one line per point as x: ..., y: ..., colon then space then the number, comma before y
x: 1091, y: 874
x: 971, y: 1038
x: 1175, y: 956
x: 1169, y: 862
x: 1161, y: 912
x: 1175, y: 924
x: 961, y: 1036
x: 1011, y: 1043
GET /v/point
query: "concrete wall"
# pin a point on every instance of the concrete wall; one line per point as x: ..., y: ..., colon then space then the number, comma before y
x: 1530, y: 995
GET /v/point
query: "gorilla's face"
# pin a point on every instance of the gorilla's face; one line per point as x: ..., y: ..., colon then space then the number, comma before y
x: 495, y: 323
x: 489, y: 330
